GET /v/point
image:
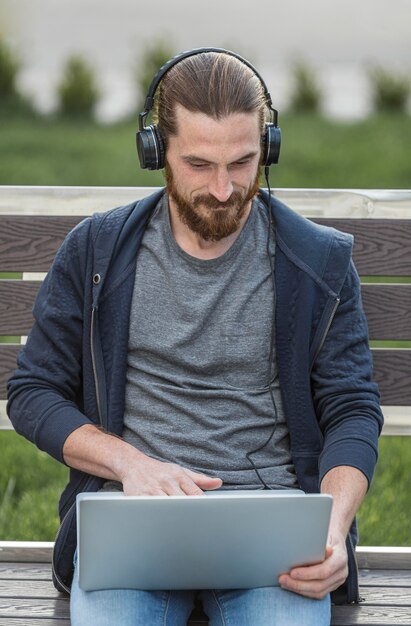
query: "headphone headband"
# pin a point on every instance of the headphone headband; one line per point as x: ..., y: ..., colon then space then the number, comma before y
x: 150, y: 144
x: 149, y: 101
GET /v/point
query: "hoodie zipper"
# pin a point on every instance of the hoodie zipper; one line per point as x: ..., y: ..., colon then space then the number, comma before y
x: 93, y: 360
x: 337, y: 301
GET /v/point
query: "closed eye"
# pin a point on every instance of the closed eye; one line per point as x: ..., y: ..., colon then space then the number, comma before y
x: 199, y: 166
x: 241, y: 163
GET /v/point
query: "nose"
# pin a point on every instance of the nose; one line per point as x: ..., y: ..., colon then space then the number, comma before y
x: 220, y: 185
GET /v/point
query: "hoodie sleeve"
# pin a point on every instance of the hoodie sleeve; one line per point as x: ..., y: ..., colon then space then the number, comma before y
x: 44, y: 393
x: 345, y: 397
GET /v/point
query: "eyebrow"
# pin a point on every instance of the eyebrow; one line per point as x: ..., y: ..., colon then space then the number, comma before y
x: 192, y: 158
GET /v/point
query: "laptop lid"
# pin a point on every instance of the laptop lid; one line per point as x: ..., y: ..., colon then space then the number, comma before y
x: 224, y: 540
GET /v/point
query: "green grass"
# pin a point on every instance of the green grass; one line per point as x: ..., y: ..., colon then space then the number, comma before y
x: 384, y: 517
x: 30, y: 485
x: 374, y: 153
x: 52, y: 152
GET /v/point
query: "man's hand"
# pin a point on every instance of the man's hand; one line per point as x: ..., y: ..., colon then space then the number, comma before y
x: 316, y: 581
x: 348, y: 487
x: 101, y: 454
x: 148, y: 477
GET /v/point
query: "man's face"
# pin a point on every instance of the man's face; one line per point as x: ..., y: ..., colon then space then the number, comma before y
x: 212, y: 170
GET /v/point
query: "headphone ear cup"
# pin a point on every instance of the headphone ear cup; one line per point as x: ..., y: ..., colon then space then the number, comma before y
x: 271, y: 144
x: 161, y: 147
x: 150, y: 148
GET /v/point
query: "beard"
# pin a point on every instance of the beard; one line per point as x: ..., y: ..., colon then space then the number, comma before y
x: 208, y: 217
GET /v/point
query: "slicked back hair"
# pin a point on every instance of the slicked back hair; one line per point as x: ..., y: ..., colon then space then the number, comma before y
x: 213, y: 83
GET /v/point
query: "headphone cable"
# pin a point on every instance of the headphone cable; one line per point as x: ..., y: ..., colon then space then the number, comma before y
x: 271, y: 228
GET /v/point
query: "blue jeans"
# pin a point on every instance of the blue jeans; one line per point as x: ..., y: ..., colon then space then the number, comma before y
x: 264, y: 606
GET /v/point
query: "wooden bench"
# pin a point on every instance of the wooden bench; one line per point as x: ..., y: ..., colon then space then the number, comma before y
x: 34, y: 221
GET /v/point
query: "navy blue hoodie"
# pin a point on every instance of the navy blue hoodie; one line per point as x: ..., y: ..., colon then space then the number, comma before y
x: 72, y: 370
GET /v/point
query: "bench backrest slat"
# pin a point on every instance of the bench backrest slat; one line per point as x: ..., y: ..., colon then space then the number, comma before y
x: 386, y: 306
x: 392, y: 369
x: 382, y: 247
x: 16, y: 303
x: 8, y: 354
x: 29, y: 243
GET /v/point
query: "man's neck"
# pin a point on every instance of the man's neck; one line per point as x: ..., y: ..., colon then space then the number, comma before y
x: 193, y: 244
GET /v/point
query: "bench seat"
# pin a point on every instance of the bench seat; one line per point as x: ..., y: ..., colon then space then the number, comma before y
x: 28, y: 598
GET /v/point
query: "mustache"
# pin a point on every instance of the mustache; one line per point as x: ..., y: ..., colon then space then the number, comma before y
x: 212, y: 203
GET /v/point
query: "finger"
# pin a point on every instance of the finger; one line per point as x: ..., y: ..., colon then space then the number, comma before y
x: 313, y: 572
x: 318, y: 571
x: 168, y: 490
x: 214, y: 483
x: 176, y: 491
x: 312, y: 588
x: 314, y: 580
x: 190, y: 488
x: 153, y: 491
x: 208, y: 482
x: 172, y: 484
x: 304, y: 583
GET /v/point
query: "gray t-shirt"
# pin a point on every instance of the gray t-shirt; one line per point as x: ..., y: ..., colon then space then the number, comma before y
x: 197, y: 390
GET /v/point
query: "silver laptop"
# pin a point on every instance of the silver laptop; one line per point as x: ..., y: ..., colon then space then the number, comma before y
x: 223, y: 540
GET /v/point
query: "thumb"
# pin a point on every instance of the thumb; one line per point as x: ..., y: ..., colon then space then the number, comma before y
x: 328, y: 551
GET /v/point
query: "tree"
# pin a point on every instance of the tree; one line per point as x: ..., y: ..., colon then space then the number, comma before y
x: 390, y: 91
x: 9, y: 67
x: 306, y: 95
x: 78, y: 90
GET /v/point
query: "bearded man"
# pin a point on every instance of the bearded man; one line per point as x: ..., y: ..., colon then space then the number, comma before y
x: 206, y: 337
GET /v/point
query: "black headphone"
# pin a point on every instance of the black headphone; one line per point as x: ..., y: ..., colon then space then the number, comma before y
x: 150, y: 143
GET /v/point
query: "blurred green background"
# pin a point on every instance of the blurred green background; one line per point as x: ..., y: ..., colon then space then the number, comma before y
x: 316, y: 152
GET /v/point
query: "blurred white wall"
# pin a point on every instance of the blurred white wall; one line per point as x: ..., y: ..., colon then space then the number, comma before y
x: 338, y: 38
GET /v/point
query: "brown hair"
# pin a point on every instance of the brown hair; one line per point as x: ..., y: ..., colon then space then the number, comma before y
x: 214, y: 83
